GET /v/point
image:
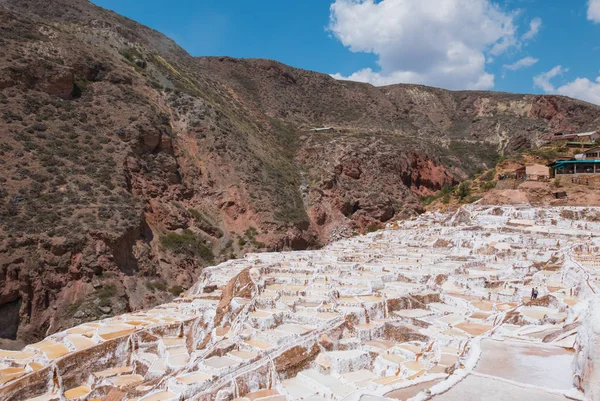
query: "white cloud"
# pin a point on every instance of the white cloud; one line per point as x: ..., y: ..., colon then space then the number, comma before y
x: 443, y: 45
x: 523, y: 63
x: 543, y: 80
x: 593, y: 13
x: 580, y: 88
x: 367, y: 75
x: 534, y: 28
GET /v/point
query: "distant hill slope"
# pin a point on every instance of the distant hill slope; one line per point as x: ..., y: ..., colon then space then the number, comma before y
x: 128, y: 165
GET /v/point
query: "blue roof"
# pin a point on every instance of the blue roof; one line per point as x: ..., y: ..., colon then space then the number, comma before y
x: 565, y: 162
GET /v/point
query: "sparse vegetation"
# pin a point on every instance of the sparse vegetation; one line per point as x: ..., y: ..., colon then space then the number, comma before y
x: 463, y: 190
x: 547, y: 154
x: 81, y: 86
x: 105, y: 294
x: 188, y: 244
x: 372, y: 228
x: 487, y: 186
x: 156, y: 286
x: 471, y: 199
x: 472, y: 155
x: 227, y: 248
x: 74, y: 307
x: 131, y: 54
x: 250, y: 237
x: 251, y: 233
x: 176, y: 290
x: 443, y: 193
x: 488, y: 176
x: 204, y: 223
x: 38, y: 126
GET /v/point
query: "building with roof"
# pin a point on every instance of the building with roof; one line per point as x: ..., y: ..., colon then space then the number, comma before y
x: 575, y: 167
x: 591, y: 154
x: 536, y: 172
x: 533, y: 172
x: 582, y: 140
x: 562, y: 135
x: 585, y: 163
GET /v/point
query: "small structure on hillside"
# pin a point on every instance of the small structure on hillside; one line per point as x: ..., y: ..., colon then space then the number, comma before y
x: 560, y: 195
x: 532, y: 172
x: 560, y: 137
x: 581, y: 140
x: 586, y: 163
x: 537, y: 172
x: 575, y: 167
x: 592, y: 154
x: 520, y: 173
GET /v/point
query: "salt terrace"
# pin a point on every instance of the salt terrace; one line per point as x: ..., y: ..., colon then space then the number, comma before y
x: 433, y: 308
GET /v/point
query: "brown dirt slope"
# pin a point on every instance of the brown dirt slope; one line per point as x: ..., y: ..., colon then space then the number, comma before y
x: 127, y: 165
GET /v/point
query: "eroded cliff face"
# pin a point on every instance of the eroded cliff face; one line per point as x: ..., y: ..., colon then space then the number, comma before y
x: 368, y: 180
x: 128, y: 165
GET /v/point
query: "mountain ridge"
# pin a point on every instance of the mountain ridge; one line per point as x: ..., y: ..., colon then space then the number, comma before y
x: 490, y: 92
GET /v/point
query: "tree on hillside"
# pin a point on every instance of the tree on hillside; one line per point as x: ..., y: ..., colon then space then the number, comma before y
x: 463, y: 190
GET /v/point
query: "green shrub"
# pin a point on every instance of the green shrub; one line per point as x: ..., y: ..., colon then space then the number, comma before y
x: 428, y: 200
x: 156, y: 285
x: 372, y: 228
x: 547, y: 154
x: 227, y: 248
x: 477, y: 172
x: 471, y: 199
x: 106, y: 294
x: 442, y: 193
x: 489, y: 176
x: 188, y: 244
x: 204, y: 223
x: 176, y: 290
x: 105, y: 302
x: 82, y: 85
x: 5, y: 147
x: 131, y: 54
x: 40, y: 127
x: 488, y: 186
x: 197, y: 215
x: 74, y: 307
x: 107, y: 291
x: 463, y: 190
x: 251, y: 233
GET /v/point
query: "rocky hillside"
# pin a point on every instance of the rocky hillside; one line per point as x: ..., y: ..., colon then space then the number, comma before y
x: 128, y: 165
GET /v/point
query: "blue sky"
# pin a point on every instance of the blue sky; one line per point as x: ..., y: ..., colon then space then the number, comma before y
x: 527, y: 46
